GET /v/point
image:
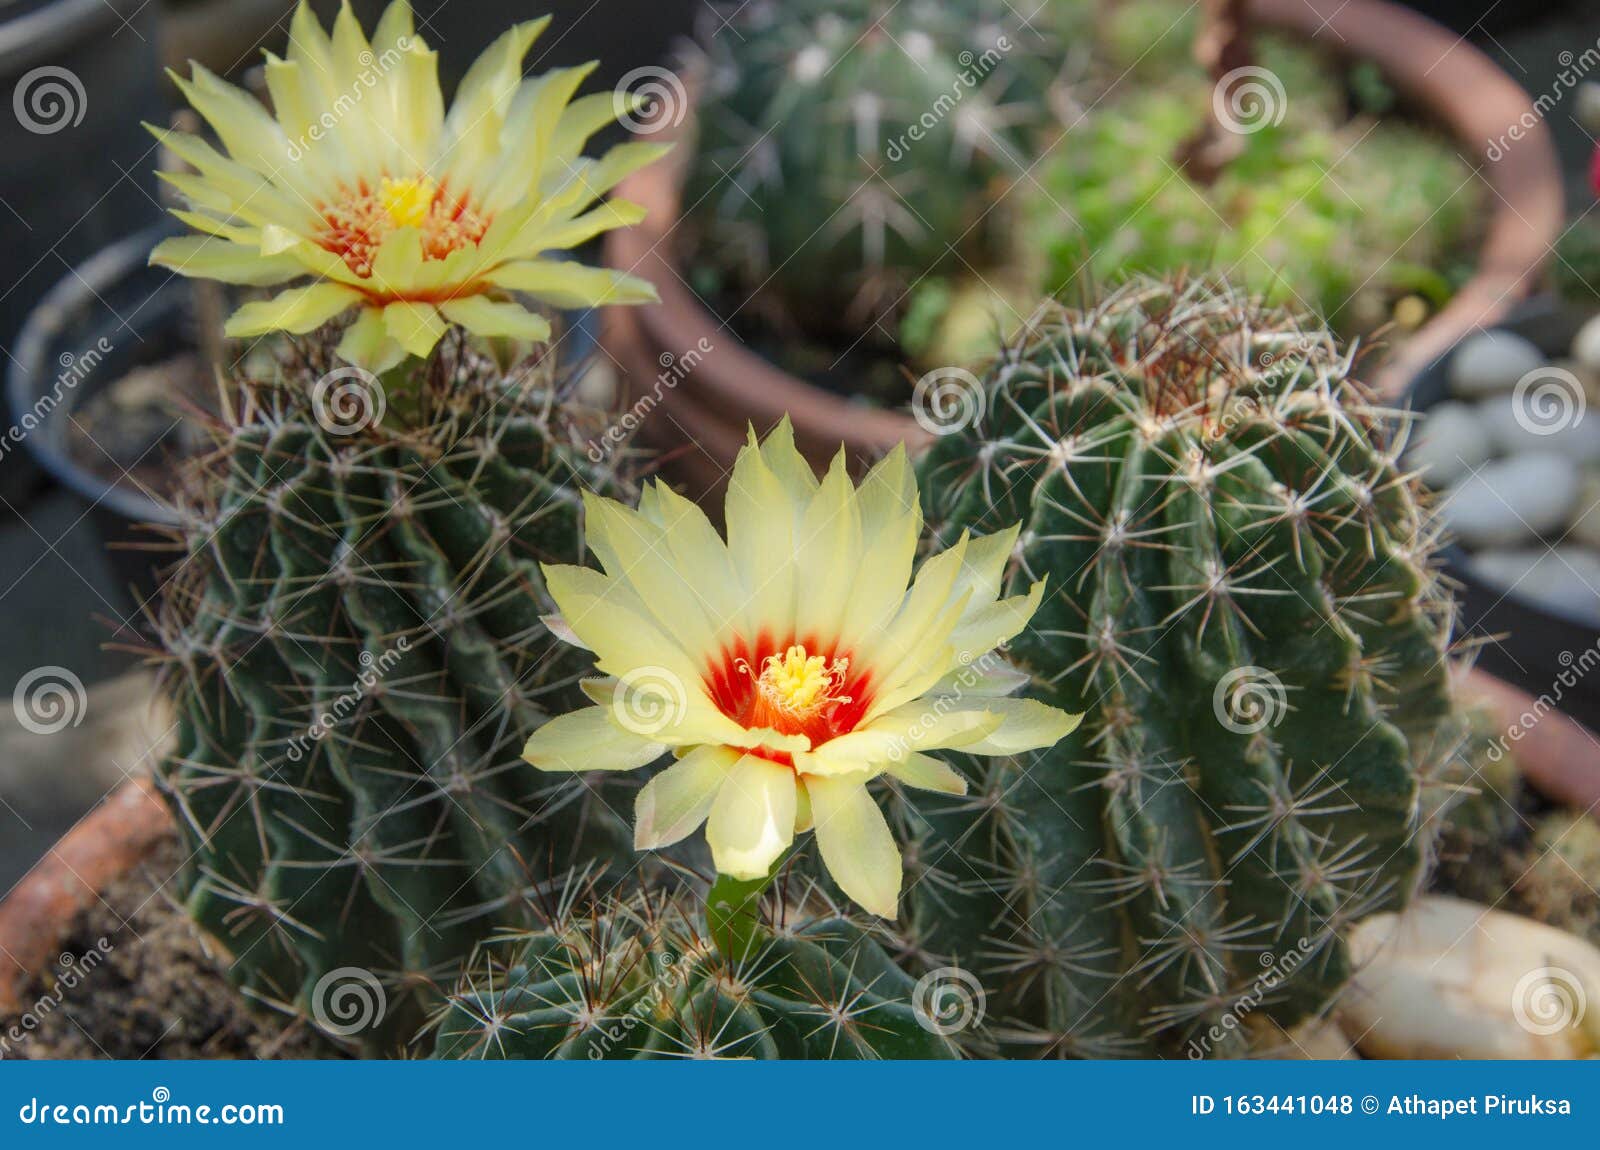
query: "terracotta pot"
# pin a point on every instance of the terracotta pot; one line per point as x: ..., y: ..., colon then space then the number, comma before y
x: 703, y: 416
x: 34, y: 918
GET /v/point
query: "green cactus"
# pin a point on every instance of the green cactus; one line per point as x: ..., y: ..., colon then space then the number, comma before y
x: 355, y: 646
x: 1243, y: 601
x: 847, y: 150
x: 636, y: 978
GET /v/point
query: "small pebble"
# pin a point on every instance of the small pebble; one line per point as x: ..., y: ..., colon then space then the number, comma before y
x: 1585, y: 526
x: 1586, y: 345
x: 1491, y: 362
x: 1513, y: 500
x: 1586, y: 106
x: 1558, y: 422
x: 1565, y: 580
x: 1449, y: 440
x: 1451, y: 979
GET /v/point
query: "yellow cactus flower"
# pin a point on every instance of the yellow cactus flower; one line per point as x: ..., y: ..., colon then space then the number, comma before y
x: 420, y: 218
x: 791, y: 664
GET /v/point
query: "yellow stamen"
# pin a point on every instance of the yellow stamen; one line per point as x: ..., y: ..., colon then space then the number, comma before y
x: 408, y: 201
x: 800, y: 683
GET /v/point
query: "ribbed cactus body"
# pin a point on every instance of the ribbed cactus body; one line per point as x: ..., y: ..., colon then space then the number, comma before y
x: 1241, y: 600
x: 639, y: 979
x: 355, y: 644
x: 845, y: 151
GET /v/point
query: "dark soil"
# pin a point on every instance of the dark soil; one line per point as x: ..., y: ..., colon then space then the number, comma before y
x: 130, y: 432
x: 143, y: 983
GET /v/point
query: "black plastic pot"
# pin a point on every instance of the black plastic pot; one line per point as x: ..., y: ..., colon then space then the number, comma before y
x: 106, y: 318
x: 1520, y: 641
x: 76, y: 79
x: 111, y: 315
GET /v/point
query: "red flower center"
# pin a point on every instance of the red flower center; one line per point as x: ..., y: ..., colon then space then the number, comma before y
x: 795, y: 688
x: 361, y: 218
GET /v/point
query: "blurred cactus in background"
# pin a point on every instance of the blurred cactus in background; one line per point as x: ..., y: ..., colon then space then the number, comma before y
x: 1243, y: 600
x: 1325, y: 203
x: 846, y: 151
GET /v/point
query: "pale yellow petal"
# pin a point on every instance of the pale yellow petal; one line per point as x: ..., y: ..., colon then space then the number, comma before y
x: 211, y: 258
x: 567, y: 284
x: 492, y: 318
x: 297, y: 310
x: 893, y: 737
x: 978, y: 632
x: 828, y: 556
x: 752, y: 818
x: 636, y: 552
x: 675, y: 802
x: 1026, y: 725
x: 570, y: 233
x: 417, y: 327
x: 927, y: 773
x: 589, y: 740
x: 367, y: 343
x: 856, y: 844
x: 891, y: 521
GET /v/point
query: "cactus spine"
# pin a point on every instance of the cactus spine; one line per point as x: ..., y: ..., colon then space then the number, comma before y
x: 637, y: 978
x: 1244, y: 602
x: 354, y: 641
x: 846, y: 151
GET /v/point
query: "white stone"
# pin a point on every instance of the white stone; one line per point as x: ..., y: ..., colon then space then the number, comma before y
x: 1491, y: 362
x: 1447, y: 442
x: 1586, y: 345
x: 1451, y: 979
x: 1558, y: 422
x: 1565, y: 579
x: 1585, y: 527
x: 1513, y: 500
x: 1586, y: 106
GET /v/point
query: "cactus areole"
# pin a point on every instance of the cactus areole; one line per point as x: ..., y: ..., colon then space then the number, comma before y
x: 1244, y: 604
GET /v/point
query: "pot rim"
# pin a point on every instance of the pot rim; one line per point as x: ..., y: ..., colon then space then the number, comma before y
x: 35, y: 915
x: 1471, y: 98
x: 30, y: 368
x: 46, y: 31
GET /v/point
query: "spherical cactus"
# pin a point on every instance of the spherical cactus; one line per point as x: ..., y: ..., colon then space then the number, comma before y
x: 1243, y: 600
x: 354, y: 641
x: 846, y: 150
x: 637, y: 978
